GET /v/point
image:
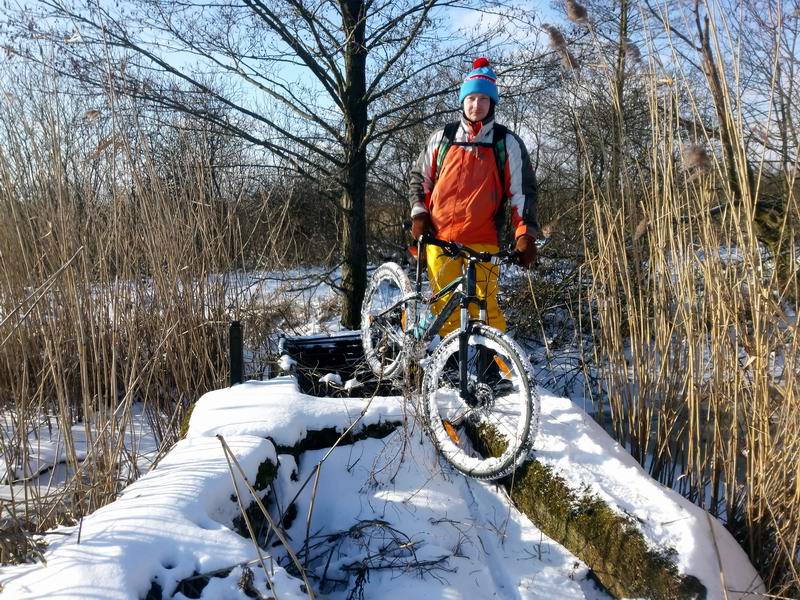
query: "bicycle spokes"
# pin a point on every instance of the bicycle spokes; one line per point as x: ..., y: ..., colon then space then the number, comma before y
x: 490, y: 399
x: 384, y: 318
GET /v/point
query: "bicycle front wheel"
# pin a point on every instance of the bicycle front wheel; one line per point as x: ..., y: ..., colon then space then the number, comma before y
x: 486, y: 427
x: 384, y: 318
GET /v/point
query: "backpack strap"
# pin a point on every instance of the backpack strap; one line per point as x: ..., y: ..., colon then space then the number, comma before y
x: 498, y: 145
x: 500, y: 156
x: 450, y: 131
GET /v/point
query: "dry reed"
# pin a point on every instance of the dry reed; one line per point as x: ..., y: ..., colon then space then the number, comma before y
x: 117, y: 249
x: 695, y: 330
x: 559, y: 43
x: 577, y: 13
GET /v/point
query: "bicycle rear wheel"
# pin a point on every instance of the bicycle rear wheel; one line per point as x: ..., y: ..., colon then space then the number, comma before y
x: 488, y: 433
x: 384, y: 319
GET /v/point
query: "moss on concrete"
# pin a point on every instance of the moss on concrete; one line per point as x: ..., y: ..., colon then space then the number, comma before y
x: 184, y: 428
x: 325, y: 438
x: 267, y: 471
x: 257, y: 520
x: 611, y: 544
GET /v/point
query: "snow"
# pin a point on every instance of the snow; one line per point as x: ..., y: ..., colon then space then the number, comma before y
x: 386, y: 508
x: 582, y: 452
x: 173, y: 522
x: 331, y: 379
x: 277, y: 409
x: 310, y: 291
x: 352, y: 384
x: 286, y: 362
x: 45, y: 453
x: 488, y: 550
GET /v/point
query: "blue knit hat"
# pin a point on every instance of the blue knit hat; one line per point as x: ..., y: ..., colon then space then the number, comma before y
x: 481, y: 80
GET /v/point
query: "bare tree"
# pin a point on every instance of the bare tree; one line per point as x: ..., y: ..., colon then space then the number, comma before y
x: 320, y: 86
x: 770, y: 36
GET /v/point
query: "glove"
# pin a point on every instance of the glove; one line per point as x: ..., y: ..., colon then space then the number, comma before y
x: 526, y: 247
x: 420, y: 224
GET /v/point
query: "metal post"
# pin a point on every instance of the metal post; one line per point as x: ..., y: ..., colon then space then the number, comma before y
x: 236, y: 353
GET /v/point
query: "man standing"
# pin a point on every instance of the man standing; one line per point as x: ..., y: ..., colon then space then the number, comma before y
x: 460, y: 185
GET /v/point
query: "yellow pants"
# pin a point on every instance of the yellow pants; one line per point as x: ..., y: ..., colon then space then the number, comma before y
x: 444, y: 269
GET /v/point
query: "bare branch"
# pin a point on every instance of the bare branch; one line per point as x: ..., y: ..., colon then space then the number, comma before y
x: 275, y: 23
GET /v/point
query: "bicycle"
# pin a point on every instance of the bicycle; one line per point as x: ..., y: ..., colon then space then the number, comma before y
x: 476, y: 381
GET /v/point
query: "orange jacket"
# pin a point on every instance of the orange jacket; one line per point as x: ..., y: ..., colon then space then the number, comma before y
x: 464, y: 199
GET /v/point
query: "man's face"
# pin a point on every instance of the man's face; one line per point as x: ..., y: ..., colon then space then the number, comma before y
x: 476, y: 106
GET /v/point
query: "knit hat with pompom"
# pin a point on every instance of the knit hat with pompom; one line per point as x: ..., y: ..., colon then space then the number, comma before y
x: 481, y: 80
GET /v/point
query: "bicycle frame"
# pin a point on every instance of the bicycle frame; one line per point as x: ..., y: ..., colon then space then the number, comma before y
x: 464, y: 293
x: 458, y: 298
x: 467, y: 281
x: 476, y: 376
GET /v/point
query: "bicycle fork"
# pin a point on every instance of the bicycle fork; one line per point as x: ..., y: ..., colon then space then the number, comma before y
x: 470, y: 296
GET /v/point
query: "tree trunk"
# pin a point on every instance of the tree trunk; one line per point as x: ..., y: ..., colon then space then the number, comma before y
x: 353, y: 201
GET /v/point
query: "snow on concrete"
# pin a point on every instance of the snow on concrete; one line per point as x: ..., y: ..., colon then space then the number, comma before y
x: 387, y: 509
x: 578, y: 448
x: 352, y: 384
x: 173, y: 522
x: 331, y: 379
x: 286, y: 363
x: 277, y: 409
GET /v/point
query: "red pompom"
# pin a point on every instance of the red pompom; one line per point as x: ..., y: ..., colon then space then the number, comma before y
x: 480, y: 62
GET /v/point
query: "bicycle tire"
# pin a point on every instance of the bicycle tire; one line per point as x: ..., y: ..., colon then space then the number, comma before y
x: 383, y: 339
x: 451, y: 422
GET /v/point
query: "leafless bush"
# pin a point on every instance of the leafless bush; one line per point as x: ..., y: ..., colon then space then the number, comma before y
x: 369, y: 546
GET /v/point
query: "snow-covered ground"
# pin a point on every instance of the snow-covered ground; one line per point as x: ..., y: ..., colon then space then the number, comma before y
x: 309, y: 290
x: 388, y: 520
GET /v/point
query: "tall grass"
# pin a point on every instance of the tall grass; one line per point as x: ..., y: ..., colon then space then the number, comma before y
x: 116, y: 292
x: 695, y: 314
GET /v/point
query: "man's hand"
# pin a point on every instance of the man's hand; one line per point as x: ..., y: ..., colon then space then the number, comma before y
x: 420, y: 224
x: 526, y: 247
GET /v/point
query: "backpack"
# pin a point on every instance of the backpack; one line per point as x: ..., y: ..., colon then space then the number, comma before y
x: 498, y: 145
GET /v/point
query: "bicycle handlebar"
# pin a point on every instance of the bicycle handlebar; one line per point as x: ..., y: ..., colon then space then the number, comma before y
x: 457, y: 249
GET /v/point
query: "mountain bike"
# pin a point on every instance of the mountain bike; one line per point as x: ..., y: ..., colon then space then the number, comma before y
x: 479, y: 402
